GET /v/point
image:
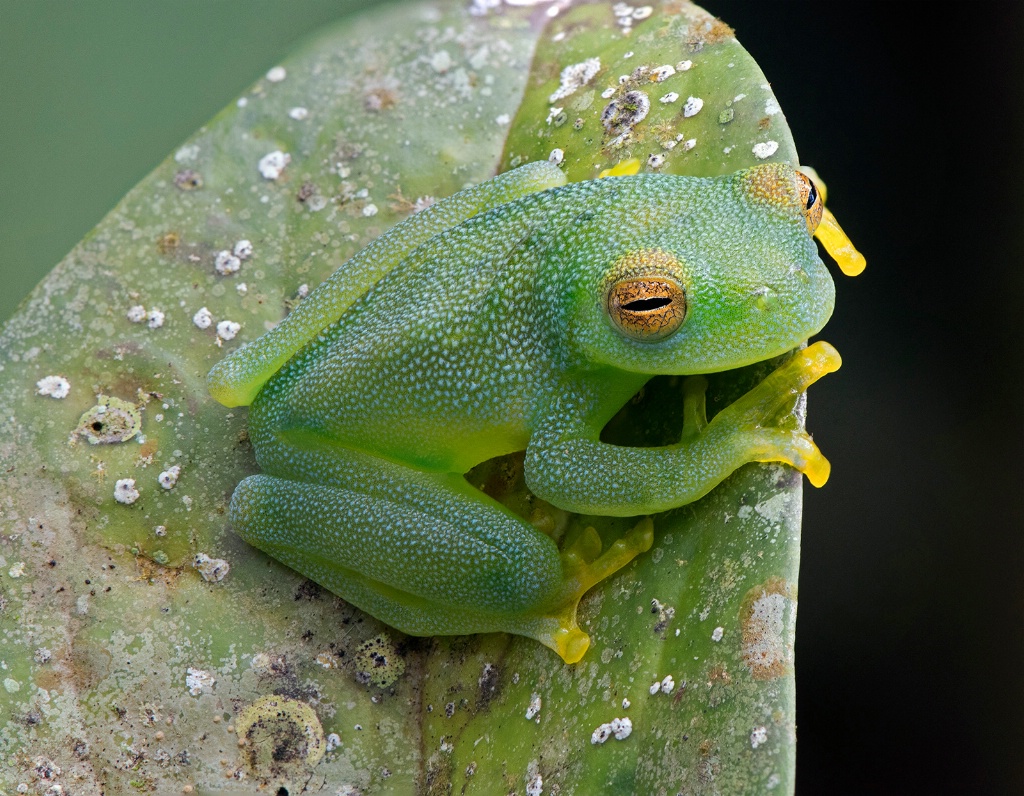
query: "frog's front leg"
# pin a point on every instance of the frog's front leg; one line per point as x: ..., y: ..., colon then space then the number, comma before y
x: 425, y: 553
x: 568, y: 466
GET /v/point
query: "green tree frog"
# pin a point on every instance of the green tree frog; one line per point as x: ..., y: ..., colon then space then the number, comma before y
x: 521, y: 315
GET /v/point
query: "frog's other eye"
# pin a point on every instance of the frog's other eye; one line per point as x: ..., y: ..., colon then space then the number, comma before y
x: 647, y: 308
x: 810, y: 201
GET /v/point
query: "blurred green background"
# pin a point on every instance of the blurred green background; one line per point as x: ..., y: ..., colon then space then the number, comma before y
x: 911, y: 633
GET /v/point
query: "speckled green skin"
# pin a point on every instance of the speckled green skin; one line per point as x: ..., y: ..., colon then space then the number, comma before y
x: 479, y: 328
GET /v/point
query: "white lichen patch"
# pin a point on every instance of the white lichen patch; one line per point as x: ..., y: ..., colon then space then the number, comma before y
x: 298, y: 113
x: 684, y: 66
x: 534, y: 780
x: 226, y: 330
x: 574, y: 77
x: 771, y: 106
x: 225, y: 263
x: 169, y: 477
x: 765, y: 149
x: 242, y: 249
x: 556, y: 156
x: 717, y: 633
x: 758, y: 736
x: 333, y: 741
x: 692, y: 106
x: 534, y: 707
x: 669, y: 98
x: 17, y: 569
x: 53, y: 387
x: 277, y: 74
x: 125, y: 491
x: 212, y: 570
x: 661, y: 73
x: 196, y: 680
x: 136, y: 313
x: 656, y: 161
x: 203, y: 318
x: 273, y: 164
x: 618, y: 728
x: 668, y: 684
x: 626, y: 703
x: 155, y: 318
x: 370, y: 210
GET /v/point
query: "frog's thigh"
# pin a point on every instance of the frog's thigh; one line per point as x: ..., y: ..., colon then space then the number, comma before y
x: 423, y: 557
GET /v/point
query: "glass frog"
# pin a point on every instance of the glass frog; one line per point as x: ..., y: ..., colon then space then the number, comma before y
x: 520, y: 315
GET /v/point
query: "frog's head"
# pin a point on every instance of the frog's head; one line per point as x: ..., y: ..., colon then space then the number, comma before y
x: 720, y: 274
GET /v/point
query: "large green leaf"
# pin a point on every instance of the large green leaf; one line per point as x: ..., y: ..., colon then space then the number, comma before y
x: 127, y: 669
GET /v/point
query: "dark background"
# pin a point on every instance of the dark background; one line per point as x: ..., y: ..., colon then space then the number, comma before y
x: 910, y: 642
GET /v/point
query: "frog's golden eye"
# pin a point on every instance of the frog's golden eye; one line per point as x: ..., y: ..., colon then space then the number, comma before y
x: 810, y: 201
x: 647, y: 308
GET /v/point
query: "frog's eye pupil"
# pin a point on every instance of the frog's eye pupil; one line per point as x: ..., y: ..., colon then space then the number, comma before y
x: 647, y: 305
x: 812, y: 196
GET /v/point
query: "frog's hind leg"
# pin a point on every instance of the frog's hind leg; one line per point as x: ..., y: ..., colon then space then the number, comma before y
x: 425, y: 553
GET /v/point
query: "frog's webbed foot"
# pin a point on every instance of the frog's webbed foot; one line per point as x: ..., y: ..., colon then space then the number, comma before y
x: 584, y: 566
x: 760, y: 425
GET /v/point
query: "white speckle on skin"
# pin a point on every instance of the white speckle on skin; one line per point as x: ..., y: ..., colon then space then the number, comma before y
x: 758, y: 736
x: 717, y: 633
x: 625, y: 703
x: 213, y: 570
x: 668, y: 685
x: 574, y: 77
x: 272, y: 164
x: 669, y: 98
x: 242, y: 288
x: 203, y: 318
x: 125, y: 491
x: 689, y: 143
x: 160, y: 530
x: 197, y: 679
x: 17, y: 570
x: 169, y: 477
x: 277, y: 74
x: 156, y: 318
x: 243, y: 249
x: 608, y: 93
x: 226, y: 330
x: 738, y: 97
x: 556, y: 156
x: 684, y: 66
x: 554, y: 113
x: 137, y: 314
x: 225, y: 263
x: 333, y: 741
x: 656, y: 161
x: 765, y: 149
x: 771, y: 106
x: 53, y: 386
x: 642, y: 12
x: 303, y: 291
x: 660, y: 73
x: 298, y: 113
x: 692, y: 106
x: 370, y: 210
x: 503, y: 119
x: 242, y: 102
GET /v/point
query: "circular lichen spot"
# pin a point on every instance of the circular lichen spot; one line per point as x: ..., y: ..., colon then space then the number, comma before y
x: 279, y: 738
x: 378, y: 663
x: 767, y: 616
x: 110, y: 420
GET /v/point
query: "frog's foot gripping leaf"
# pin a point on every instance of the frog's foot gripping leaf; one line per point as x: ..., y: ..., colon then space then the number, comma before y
x: 584, y: 566
x: 760, y: 426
